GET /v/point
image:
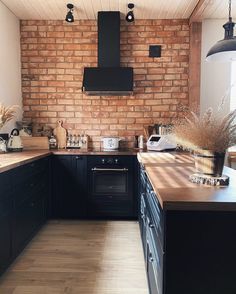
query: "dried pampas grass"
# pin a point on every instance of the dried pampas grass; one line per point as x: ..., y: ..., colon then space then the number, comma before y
x: 6, y: 114
x: 211, y: 131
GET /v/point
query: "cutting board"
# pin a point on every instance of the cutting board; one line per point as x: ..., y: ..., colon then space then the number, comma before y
x: 32, y: 143
x: 60, y: 134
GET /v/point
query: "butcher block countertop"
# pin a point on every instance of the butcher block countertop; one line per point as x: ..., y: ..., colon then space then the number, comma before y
x: 169, y: 175
x: 167, y: 172
x: 15, y: 159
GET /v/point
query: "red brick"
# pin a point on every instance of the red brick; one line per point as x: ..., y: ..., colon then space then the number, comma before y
x: 54, y: 54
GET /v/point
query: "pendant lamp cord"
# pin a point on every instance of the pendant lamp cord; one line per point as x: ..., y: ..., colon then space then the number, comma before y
x: 230, y: 10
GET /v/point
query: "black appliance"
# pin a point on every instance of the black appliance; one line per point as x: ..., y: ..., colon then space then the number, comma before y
x: 111, y: 192
x: 108, y: 78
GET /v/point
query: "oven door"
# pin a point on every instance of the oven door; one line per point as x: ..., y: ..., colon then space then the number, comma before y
x: 111, y: 192
x: 110, y: 181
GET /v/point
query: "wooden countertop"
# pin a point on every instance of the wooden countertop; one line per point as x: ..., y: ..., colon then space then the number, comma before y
x: 158, y: 158
x: 15, y: 159
x: 94, y: 152
x: 169, y: 176
x: 167, y: 172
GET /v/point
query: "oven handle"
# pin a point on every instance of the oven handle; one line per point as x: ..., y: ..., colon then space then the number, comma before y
x: 110, y: 169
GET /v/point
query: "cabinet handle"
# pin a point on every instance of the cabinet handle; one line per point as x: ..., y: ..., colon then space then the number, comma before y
x: 151, y: 225
x: 32, y: 204
x: 110, y: 169
x: 151, y: 259
x: 78, y: 157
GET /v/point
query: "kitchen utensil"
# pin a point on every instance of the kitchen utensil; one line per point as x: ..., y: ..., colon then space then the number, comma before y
x: 110, y: 143
x: 60, y: 134
x: 136, y: 142
x: 14, y: 143
x: 32, y: 143
x: 140, y: 142
x: 146, y: 134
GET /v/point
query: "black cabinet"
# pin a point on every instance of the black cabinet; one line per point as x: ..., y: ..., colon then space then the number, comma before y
x: 30, y: 198
x: 93, y: 186
x: 28, y: 216
x: 186, y: 251
x: 69, y: 189
x: 23, y: 206
x: 5, y: 241
x: 5, y: 220
x: 142, y: 214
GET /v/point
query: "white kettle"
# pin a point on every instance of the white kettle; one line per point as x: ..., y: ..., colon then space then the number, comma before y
x: 14, y: 143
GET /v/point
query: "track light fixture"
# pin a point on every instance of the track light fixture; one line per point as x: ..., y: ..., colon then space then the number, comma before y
x: 130, y: 14
x: 69, y: 16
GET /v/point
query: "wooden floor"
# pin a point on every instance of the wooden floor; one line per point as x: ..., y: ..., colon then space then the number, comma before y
x: 76, y: 257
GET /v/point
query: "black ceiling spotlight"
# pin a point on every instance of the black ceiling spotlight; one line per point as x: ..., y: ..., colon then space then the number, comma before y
x: 130, y: 14
x: 69, y: 16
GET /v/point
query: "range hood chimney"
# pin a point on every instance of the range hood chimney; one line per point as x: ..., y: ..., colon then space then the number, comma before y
x: 108, y: 78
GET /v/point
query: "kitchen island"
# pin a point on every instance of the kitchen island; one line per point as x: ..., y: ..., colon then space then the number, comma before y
x: 188, y: 230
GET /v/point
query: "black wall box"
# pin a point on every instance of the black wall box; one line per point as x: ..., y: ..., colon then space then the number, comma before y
x: 154, y: 51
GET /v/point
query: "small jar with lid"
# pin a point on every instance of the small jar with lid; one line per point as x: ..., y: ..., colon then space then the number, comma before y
x: 53, y: 142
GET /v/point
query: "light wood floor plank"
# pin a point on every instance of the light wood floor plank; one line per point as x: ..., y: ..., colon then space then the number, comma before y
x: 80, y: 257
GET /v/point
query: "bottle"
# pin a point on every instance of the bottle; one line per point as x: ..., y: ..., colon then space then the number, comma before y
x: 136, y: 139
x: 140, y: 142
x: 52, y: 142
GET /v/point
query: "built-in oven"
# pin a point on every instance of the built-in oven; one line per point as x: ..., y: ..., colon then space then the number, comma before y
x: 111, y: 180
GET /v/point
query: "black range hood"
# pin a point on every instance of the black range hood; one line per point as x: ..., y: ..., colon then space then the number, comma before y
x: 108, y: 78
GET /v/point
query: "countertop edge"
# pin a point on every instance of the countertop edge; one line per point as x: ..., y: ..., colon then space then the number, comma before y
x: 23, y: 161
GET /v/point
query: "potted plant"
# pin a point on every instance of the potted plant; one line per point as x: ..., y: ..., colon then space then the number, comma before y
x: 6, y: 114
x: 208, y: 136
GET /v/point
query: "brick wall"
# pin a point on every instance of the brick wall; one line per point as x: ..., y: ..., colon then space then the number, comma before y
x: 54, y: 54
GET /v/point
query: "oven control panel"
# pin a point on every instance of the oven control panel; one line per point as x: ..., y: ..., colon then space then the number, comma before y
x: 109, y: 160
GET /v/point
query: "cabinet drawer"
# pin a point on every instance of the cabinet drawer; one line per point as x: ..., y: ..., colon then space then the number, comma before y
x: 157, y: 219
x: 142, y: 221
x: 25, y: 171
x: 110, y: 207
x: 29, y: 187
x: 154, y: 262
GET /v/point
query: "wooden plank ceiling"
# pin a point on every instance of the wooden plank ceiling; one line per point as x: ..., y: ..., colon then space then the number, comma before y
x: 213, y: 9
x: 144, y: 9
x: 87, y: 9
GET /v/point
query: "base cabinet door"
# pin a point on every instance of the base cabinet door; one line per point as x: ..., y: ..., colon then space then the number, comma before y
x: 28, y: 216
x: 69, y: 186
x: 5, y: 241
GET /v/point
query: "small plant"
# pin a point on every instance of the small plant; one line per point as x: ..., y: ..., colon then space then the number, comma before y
x: 6, y: 114
x: 212, y: 131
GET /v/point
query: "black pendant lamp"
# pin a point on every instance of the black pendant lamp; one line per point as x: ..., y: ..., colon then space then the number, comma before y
x: 224, y: 50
